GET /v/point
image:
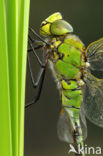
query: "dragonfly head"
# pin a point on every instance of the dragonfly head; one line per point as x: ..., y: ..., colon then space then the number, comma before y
x: 55, y: 26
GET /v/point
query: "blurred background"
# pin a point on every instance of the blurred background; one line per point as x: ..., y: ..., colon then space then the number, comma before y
x: 41, y: 139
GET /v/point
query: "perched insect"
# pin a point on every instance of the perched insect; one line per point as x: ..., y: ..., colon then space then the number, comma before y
x: 71, y: 64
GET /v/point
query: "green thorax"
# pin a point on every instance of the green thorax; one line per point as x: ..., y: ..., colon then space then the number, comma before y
x: 67, y: 58
x: 67, y: 54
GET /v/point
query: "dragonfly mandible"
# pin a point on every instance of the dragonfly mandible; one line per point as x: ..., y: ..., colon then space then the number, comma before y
x: 71, y: 64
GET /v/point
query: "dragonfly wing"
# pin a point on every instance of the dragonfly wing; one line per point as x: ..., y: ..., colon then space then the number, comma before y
x: 93, y: 99
x: 64, y: 127
x: 94, y: 55
x: 83, y: 122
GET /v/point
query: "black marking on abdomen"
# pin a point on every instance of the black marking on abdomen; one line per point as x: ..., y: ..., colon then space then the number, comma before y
x: 72, y: 107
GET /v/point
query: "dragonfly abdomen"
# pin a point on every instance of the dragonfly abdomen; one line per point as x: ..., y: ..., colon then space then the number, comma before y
x: 67, y: 61
x: 74, y: 117
x: 71, y: 94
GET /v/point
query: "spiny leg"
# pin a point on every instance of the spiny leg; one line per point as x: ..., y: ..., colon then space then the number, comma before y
x: 42, y: 64
x: 40, y: 78
x: 31, y: 30
x: 34, y: 52
x: 39, y: 44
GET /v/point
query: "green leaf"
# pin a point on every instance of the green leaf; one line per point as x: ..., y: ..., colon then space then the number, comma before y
x: 5, y: 117
x: 14, y: 16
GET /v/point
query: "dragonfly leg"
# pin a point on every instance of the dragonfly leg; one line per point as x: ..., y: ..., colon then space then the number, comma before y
x: 35, y: 83
x: 35, y: 48
x: 39, y: 44
x: 34, y: 52
x: 36, y: 98
x: 31, y: 30
x: 39, y: 80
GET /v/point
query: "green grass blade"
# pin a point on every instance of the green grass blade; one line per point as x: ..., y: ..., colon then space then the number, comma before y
x: 14, y: 16
x: 12, y: 41
x: 22, y: 55
x: 5, y: 121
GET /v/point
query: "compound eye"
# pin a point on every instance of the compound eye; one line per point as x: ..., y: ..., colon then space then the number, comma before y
x: 61, y: 27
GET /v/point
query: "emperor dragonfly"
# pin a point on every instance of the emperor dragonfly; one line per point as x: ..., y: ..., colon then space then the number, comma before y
x: 71, y: 65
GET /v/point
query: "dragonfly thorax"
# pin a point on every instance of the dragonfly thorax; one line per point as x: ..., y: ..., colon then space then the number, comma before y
x: 66, y: 58
x: 67, y: 52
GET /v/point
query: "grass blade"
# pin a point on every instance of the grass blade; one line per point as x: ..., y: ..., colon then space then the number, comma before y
x: 5, y: 119
x: 12, y: 41
x: 22, y: 55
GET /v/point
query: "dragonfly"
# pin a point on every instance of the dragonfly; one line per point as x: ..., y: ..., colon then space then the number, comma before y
x: 72, y: 66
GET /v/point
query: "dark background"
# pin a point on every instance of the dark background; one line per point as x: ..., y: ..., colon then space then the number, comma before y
x: 41, y: 139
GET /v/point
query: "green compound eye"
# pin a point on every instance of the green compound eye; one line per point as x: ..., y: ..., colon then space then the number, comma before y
x: 60, y: 27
